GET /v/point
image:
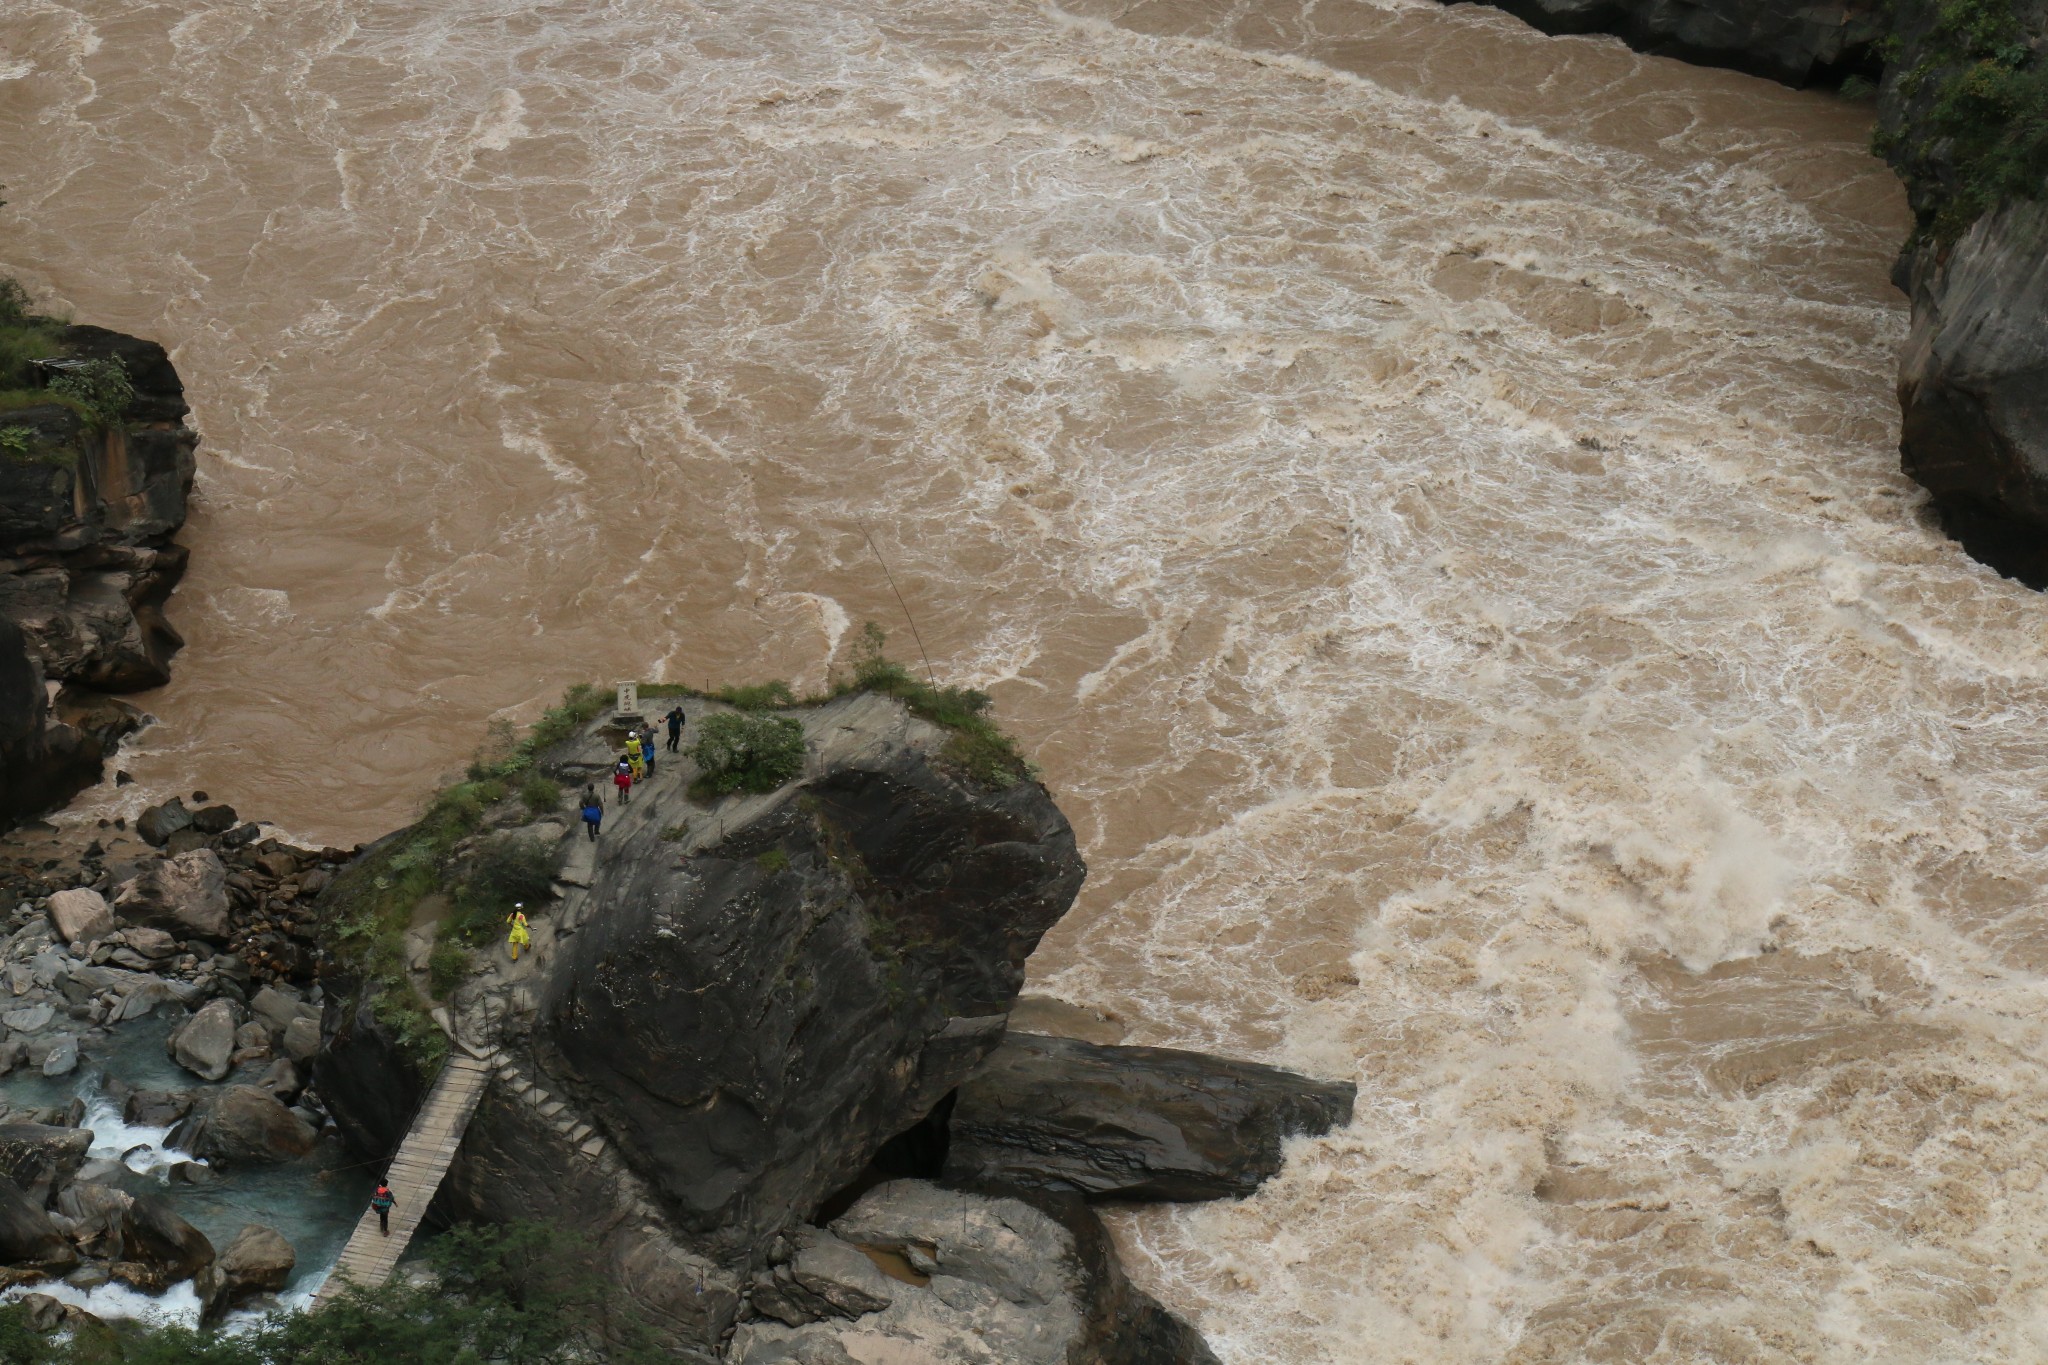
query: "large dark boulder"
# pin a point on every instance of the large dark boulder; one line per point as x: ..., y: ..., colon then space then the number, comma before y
x: 258, y: 1261
x: 1787, y: 40
x: 241, y: 1125
x: 42, y: 1159
x: 27, y: 1236
x: 369, y: 1082
x: 1131, y: 1122
x: 753, y: 1021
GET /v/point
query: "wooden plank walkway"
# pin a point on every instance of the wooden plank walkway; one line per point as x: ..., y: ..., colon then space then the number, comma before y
x: 415, y: 1173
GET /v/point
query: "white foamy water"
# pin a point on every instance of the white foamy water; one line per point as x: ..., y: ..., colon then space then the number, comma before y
x: 1425, y: 493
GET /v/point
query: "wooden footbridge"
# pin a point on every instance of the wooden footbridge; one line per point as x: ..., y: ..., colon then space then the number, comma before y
x: 414, y: 1174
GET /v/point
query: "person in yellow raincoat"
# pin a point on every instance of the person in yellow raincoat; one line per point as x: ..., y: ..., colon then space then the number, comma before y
x: 520, y: 938
x: 634, y: 760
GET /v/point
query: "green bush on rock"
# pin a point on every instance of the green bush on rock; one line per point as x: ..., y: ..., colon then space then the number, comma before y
x: 742, y: 751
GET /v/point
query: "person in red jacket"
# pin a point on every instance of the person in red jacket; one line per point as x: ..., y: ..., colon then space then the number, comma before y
x: 382, y: 1201
x: 622, y: 778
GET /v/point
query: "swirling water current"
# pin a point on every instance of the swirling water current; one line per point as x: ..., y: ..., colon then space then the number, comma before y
x: 1424, y: 493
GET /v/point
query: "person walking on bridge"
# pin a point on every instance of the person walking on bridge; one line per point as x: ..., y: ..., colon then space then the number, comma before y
x: 382, y: 1202
x: 676, y: 721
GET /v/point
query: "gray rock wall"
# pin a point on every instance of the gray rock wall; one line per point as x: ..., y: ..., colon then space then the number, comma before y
x: 1786, y: 40
x: 86, y: 563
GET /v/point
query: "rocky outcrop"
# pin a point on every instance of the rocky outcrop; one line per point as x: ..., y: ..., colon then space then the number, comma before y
x: 28, y: 1236
x: 372, y: 1085
x: 1787, y: 40
x: 1973, y: 387
x: 41, y: 1158
x: 974, y: 1279
x: 1973, y: 374
x: 87, y: 517
x: 1130, y: 1122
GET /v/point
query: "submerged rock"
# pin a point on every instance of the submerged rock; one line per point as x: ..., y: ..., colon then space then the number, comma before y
x: 1131, y: 1122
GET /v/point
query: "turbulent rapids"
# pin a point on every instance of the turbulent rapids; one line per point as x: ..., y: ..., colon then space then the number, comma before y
x: 1424, y: 493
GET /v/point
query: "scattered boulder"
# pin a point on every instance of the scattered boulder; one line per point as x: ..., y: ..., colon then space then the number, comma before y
x: 153, y: 944
x: 157, y: 1237
x: 1131, y: 1122
x: 205, y: 1044
x: 156, y: 1108
x: 29, y: 1018
x: 242, y: 1126
x: 46, y: 1314
x: 214, y: 819
x: 258, y: 1261
x: 826, y: 1278
x: 157, y: 824
x: 62, y: 1058
x: 187, y: 894
x: 302, y: 1040
x: 42, y: 1158
x: 81, y: 914
x: 28, y: 1237
x: 983, y: 1279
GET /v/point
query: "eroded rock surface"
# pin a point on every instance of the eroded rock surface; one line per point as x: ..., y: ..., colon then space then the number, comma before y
x: 1131, y: 1122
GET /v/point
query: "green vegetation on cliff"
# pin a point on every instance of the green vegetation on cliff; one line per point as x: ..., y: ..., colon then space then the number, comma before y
x: 1966, y: 117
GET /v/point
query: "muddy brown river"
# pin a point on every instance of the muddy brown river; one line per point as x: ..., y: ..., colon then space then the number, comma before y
x: 1425, y: 494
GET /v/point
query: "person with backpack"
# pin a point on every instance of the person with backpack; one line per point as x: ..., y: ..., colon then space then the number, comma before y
x: 593, y: 812
x: 647, y: 748
x: 382, y: 1201
x: 676, y: 721
x: 622, y: 778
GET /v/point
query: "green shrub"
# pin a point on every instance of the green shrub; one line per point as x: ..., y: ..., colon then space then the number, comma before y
x: 102, y: 386
x: 1976, y: 101
x: 774, y: 860
x: 540, y: 794
x: 447, y: 965
x: 746, y: 751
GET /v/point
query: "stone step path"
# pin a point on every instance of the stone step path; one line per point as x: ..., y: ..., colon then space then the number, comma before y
x: 581, y: 1138
x: 414, y: 1174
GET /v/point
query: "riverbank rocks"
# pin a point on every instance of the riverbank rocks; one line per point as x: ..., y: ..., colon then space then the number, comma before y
x: 258, y: 1261
x: 1131, y: 1122
x: 28, y: 1236
x: 205, y: 1043
x: 186, y: 894
x: 1796, y: 44
x: 977, y: 1279
x: 41, y: 1158
x: 81, y: 915
x: 242, y: 1125
x: 157, y: 824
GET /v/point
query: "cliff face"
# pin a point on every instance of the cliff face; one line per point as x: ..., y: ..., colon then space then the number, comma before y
x: 1973, y: 387
x: 1786, y: 40
x: 1963, y: 119
x: 87, y: 516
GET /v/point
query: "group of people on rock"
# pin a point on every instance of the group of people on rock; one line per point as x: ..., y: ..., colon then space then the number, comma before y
x: 636, y: 764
